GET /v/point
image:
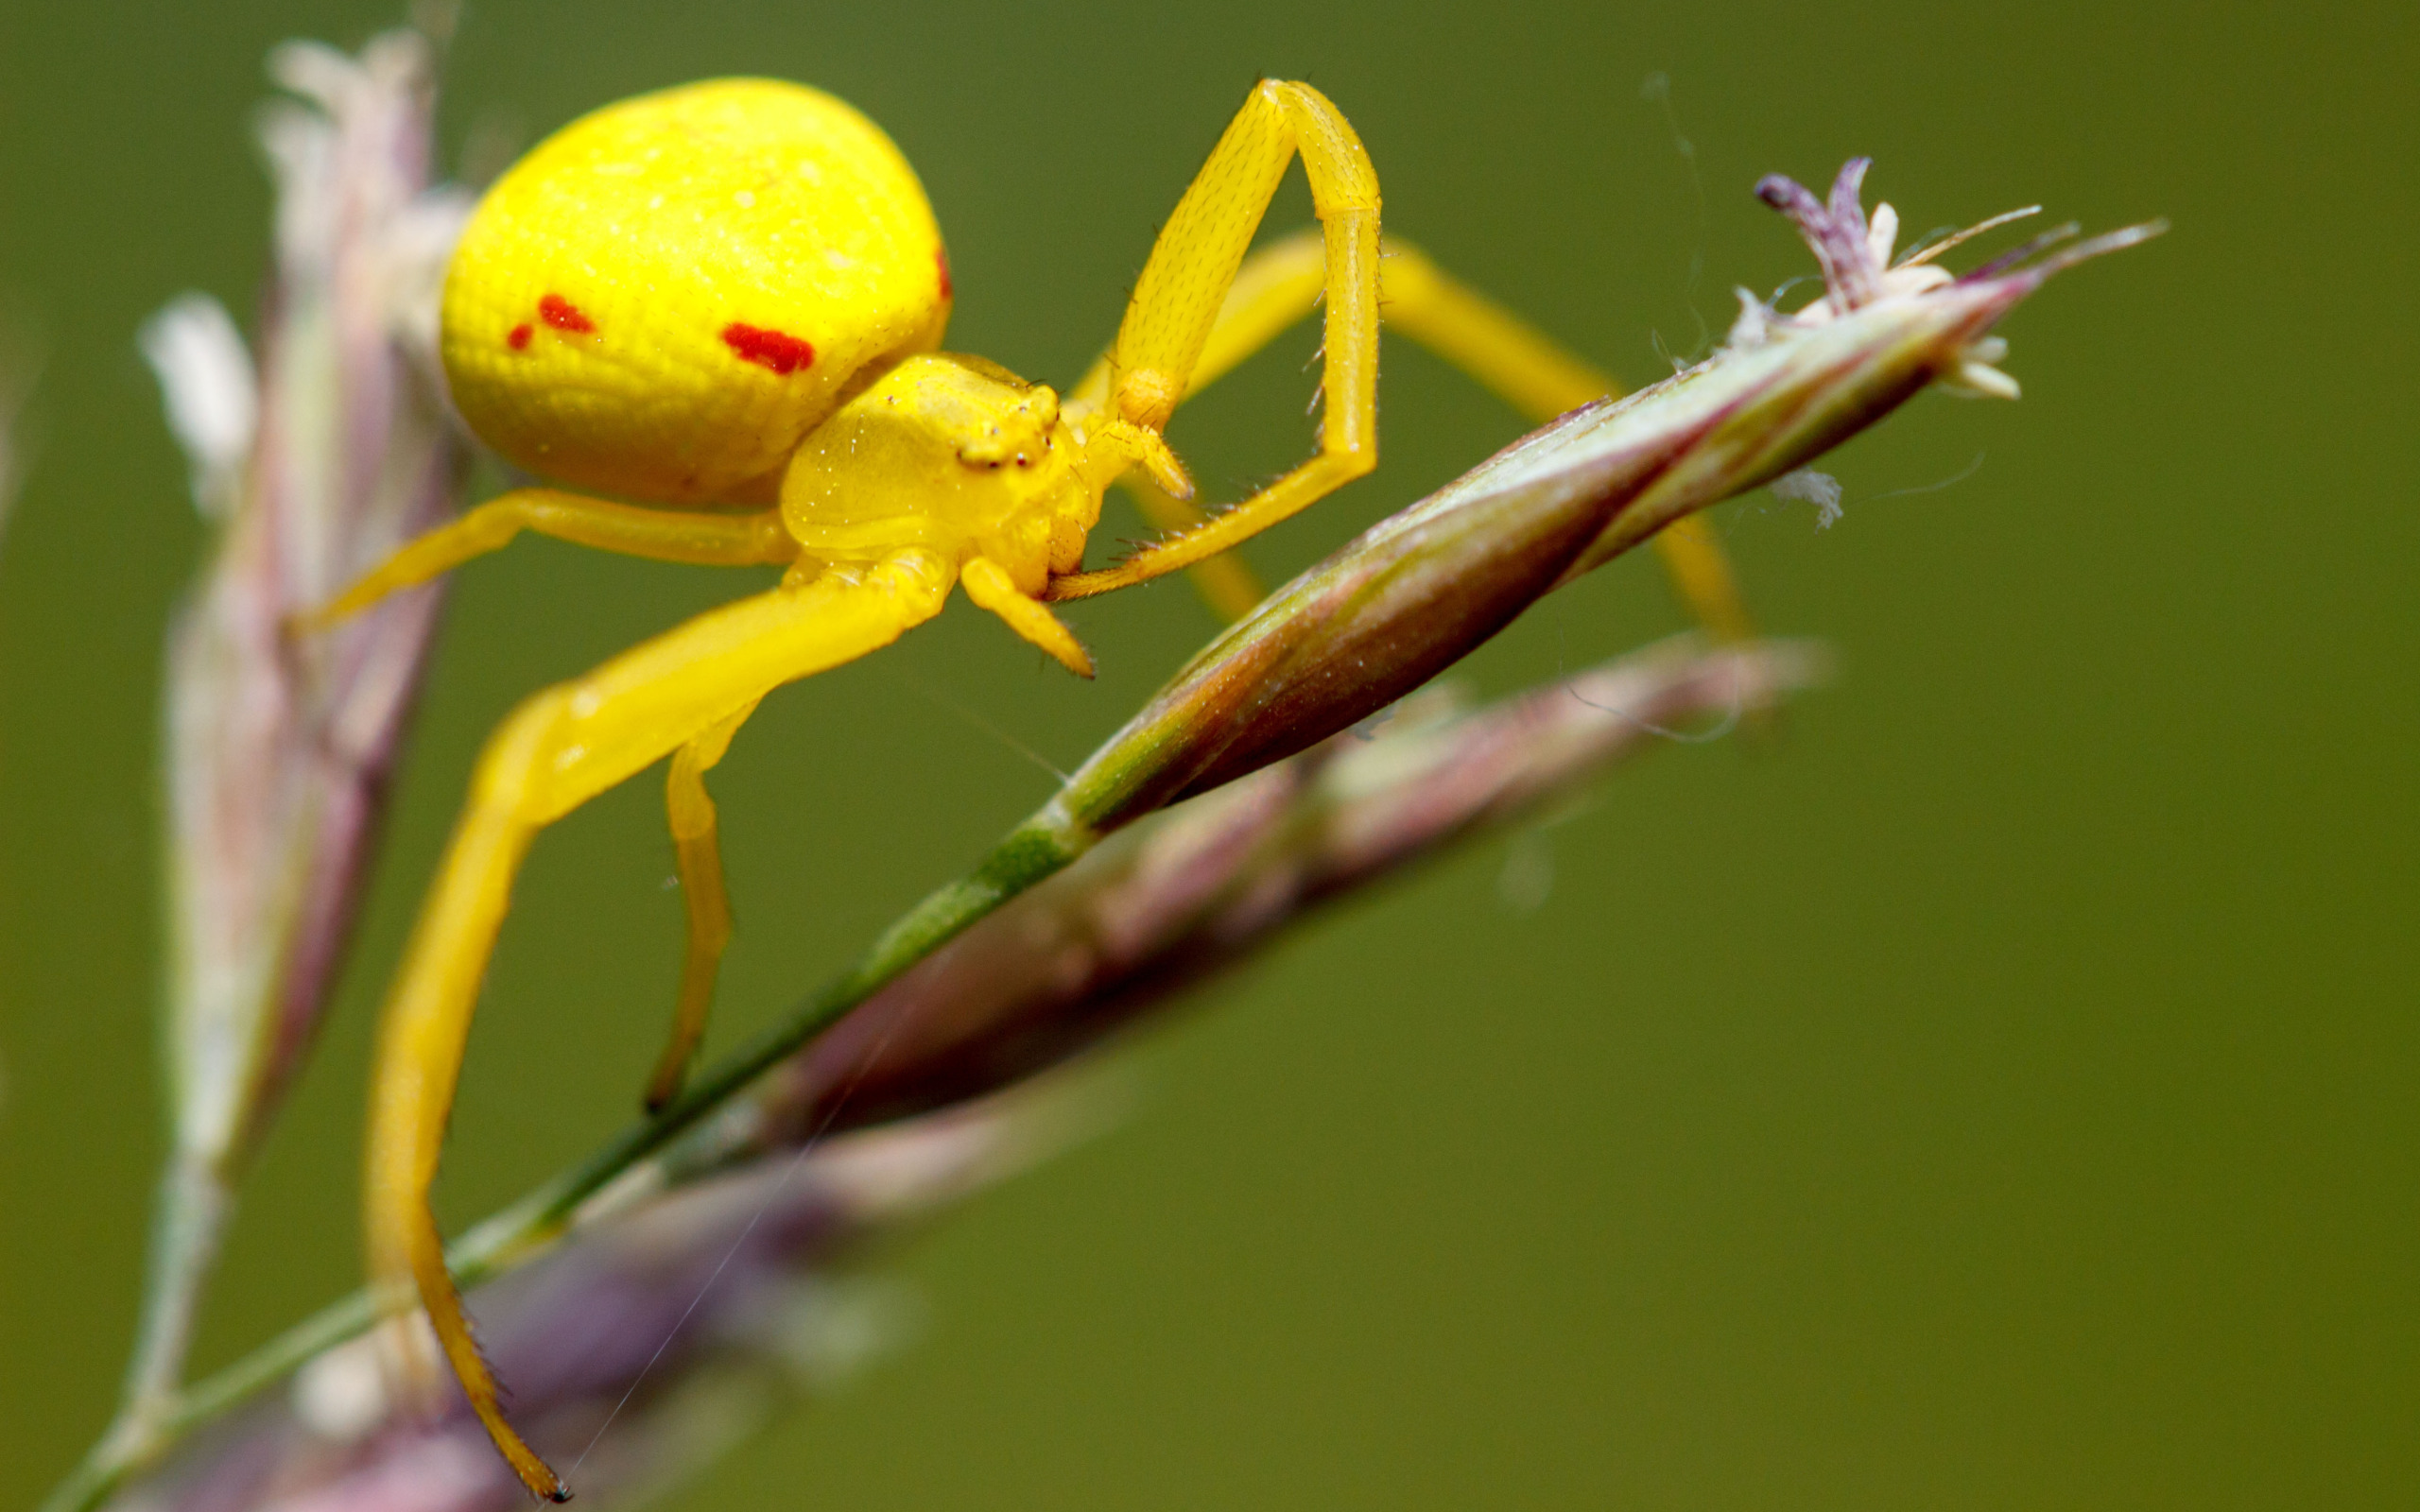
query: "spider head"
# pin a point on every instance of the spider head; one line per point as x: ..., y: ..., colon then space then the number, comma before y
x: 945, y: 450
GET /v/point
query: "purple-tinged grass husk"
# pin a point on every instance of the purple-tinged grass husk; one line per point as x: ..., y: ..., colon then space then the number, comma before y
x: 1425, y: 585
x: 720, y: 1284
x: 646, y: 1349
x: 312, y: 461
x: 1159, y: 908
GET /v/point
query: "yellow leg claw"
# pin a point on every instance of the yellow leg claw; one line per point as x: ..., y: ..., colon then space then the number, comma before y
x: 989, y: 586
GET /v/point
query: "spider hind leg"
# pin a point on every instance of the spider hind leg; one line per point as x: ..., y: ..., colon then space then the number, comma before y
x: 697, y: 848
x: 685, y: 690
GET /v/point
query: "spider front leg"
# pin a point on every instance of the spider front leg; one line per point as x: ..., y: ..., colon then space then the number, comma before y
x: 685, y: 689
x: 1177, y: 303
x: 692, y: 535
x: 1281, y: 282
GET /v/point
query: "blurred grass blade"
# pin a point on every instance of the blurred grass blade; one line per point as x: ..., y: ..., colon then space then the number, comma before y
x: 313, y: 461
x: 17, y: 368
x: 717, y: 1271
x: 1168, y: 903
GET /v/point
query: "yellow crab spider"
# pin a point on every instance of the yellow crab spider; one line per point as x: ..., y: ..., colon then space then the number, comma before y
x: 726, y: 300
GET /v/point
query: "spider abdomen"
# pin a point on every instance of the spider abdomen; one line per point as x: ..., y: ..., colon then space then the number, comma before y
x: 664, y: 297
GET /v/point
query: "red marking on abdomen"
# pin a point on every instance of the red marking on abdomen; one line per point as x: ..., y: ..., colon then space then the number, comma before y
x: 564, y: 314
x: 781, y: 351
x: 518, y: 337
x: 941, y: 261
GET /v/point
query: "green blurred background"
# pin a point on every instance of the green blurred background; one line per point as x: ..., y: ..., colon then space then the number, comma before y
x: 1995, y: 1092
